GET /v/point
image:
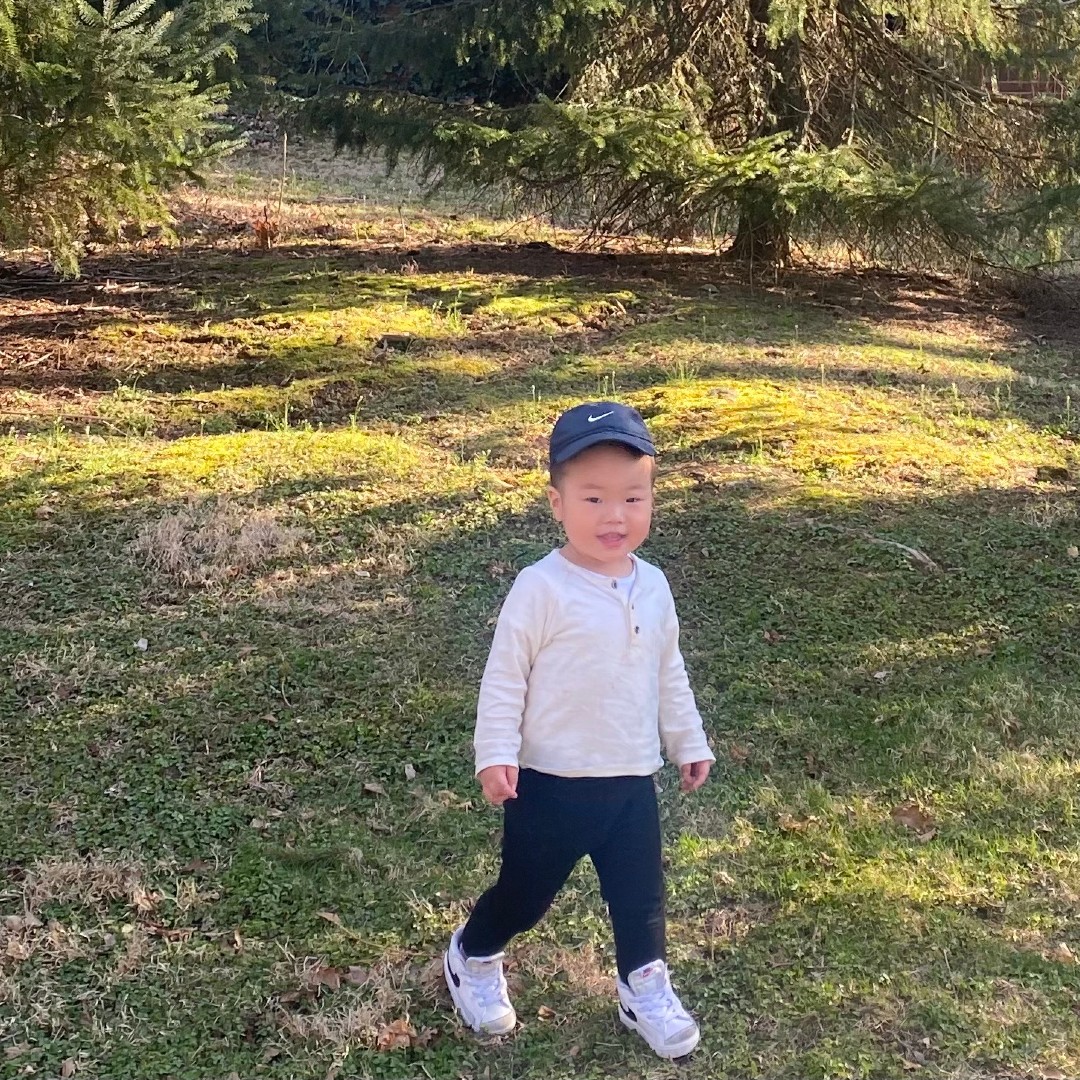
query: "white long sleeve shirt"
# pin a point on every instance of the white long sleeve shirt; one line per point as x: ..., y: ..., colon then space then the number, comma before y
x: 585, y: 676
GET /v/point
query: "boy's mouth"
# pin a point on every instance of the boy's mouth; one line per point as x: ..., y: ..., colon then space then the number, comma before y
x: 611, y: 539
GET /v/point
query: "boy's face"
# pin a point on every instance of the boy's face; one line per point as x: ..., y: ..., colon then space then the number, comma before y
x: 604, y: 503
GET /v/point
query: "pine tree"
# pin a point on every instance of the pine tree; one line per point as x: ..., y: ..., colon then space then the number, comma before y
x: 104, y: 107
x: 875, y: 123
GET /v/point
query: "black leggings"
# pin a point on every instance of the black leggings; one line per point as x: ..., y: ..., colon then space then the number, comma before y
x: 554, y: 821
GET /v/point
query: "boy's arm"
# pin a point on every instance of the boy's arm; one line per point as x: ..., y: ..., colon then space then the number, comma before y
x: 501, y: 706
x: 681, y: 730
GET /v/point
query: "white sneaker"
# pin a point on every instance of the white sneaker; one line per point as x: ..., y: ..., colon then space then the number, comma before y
x: 478, y: 987
x: 650, y: 1007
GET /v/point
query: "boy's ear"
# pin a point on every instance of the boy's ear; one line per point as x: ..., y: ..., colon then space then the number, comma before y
x: 555, y: 499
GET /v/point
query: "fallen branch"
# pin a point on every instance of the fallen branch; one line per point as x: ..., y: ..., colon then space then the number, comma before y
x: 917, y: 558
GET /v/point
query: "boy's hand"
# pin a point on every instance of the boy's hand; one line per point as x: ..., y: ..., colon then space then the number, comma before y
x: 499, y: 783
x: 694, y: 774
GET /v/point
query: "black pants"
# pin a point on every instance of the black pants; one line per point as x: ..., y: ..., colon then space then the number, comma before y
x: 554, y: 821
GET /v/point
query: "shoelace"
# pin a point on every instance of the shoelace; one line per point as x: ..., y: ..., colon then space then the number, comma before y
x: 487, y: 984
x: 661, y: 1006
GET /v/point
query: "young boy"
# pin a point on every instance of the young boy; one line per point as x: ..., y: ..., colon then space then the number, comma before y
x: 583, y: 683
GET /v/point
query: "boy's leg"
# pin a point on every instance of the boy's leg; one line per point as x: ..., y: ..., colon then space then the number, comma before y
x: 542, y: 843
x: 628, y: 863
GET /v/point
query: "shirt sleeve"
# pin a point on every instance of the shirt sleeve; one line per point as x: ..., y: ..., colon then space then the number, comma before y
x: 519, y: 634
x: 681, y: 729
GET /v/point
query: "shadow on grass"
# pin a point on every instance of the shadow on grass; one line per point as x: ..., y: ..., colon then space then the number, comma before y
x: 478, y: 361
x: 265, y: 732
x: 831, y: 660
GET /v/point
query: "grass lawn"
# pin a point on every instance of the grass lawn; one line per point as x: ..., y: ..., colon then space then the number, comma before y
x: 251, y: 551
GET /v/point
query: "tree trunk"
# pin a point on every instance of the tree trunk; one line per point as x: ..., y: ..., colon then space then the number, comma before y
x: 763, y: 237
x: 764, y: 233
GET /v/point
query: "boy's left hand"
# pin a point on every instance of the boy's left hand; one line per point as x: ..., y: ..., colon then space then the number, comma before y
x: 694, y: 774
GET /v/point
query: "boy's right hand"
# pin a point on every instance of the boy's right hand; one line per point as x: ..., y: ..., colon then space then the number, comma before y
x: 499, y: 783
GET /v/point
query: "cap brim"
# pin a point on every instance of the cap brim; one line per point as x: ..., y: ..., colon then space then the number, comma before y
x: 591, y: 438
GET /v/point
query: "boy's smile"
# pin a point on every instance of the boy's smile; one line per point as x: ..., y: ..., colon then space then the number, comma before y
x: 604, y: 503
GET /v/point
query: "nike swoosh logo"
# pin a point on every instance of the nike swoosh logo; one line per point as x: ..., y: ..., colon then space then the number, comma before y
x: 593, y: 419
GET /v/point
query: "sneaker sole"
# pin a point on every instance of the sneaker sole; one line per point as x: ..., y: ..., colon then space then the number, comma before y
x: 670, y: 1052
x: 504, y: 1026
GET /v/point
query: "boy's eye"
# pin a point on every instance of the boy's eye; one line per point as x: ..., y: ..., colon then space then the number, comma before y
x: 592, y: 498
x: 635, y: 498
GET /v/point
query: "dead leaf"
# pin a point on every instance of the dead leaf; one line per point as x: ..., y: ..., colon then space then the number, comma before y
x: 238, y: 941
x: 271, y: 1053
x: 909, y: 1066
x: 1053, y: 1074
x: 773, y: 636
x: 426, y: 1037
x: 330, y: 917
x: 1073, y: 551
x: 573, y: 1051
x: 329, y: 977
x: 68, y: 1068
x: 142, y: 644
x: 15, y: 1051
x: 431, y: 974
x: 258, y: 823
x: 397, y: 1035
x: 1062, y: 954
x: 738, y: 754
x: 373, y: 788
x: 546, y: 1013
x: 357, y: 976
x: 18, y: 950
x: 410, y: 772
x: 789, y: 823
x: 913, y: 817
x: 882, y: 676
x: 142, y: 900
x: 169, y: 933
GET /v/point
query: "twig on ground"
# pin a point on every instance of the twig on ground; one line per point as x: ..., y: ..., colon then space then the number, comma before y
x: 918, y: 558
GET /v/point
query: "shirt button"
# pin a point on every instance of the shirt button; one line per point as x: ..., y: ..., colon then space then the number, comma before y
x: 637, y: 629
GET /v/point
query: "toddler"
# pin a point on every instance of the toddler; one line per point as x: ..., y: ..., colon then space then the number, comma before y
x: 583, y: 685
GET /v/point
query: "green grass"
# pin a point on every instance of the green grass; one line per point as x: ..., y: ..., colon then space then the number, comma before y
x: 249, y: 563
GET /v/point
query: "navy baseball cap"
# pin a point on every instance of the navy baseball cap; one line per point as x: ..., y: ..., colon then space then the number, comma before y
x: 596, y: 422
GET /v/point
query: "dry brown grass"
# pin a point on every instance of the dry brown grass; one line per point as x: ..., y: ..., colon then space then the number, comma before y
x: 382, y: 999
x: 87, y: 882
x: 580, y: 968
x: 36, y: 950
x: 45, y: 679
x: 209, y: 544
